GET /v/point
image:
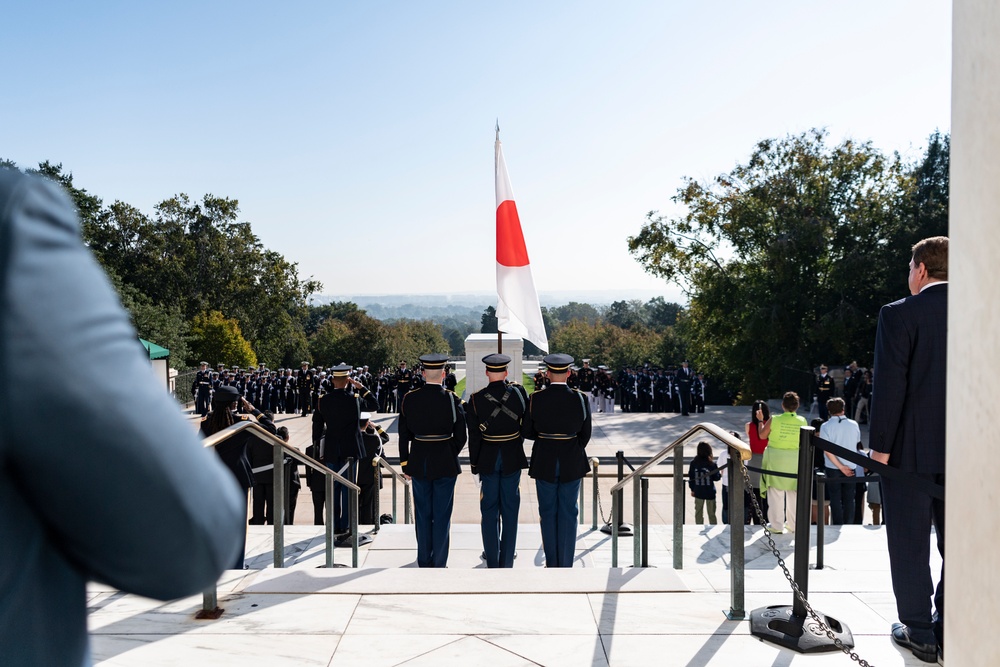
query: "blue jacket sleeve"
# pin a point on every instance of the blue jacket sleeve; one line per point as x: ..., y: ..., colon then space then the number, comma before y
x: 129, y: 494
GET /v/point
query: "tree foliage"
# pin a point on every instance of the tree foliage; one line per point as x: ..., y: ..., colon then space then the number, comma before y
x: 218, y: 339
x: 788, y: 257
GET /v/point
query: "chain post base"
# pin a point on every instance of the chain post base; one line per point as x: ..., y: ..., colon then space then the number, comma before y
x: 779, y: 625
x: 624, y: 530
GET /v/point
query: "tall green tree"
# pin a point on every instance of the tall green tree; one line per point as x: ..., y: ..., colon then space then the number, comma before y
x: 787, y: 258
x: 218, y: 339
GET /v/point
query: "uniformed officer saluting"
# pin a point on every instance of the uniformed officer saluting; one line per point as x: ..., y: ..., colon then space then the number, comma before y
x: 431, y: 434
x: 496, y: 452
x: 558, y: 420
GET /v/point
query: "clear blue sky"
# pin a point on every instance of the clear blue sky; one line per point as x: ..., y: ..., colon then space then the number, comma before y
x: 358, y: 136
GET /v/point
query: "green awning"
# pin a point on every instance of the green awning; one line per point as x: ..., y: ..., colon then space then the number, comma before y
x: 155, y: 351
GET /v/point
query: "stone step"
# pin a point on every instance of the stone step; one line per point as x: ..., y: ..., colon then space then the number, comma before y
x: 410, y: 581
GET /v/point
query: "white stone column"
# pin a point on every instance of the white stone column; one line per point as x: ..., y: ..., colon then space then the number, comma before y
x: 972, y: 560
x: 478, y: 346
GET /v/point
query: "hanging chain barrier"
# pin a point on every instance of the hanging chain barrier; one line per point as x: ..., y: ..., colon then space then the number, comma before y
x: 795, y: 587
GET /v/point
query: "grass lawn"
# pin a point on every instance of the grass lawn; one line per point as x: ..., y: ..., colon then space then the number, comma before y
x: 526, y: 380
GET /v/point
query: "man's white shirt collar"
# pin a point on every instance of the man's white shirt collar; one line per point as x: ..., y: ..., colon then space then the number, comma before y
x: 936, y: 282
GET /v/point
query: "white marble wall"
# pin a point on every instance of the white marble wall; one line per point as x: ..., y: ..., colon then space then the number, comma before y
x: 973, y: 560
x: 478, y: 346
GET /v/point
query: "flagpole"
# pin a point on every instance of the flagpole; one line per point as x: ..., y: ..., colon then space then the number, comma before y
x: 496, y: 148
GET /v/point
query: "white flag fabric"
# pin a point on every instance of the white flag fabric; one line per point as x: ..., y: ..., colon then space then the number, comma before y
x: 518, y: 312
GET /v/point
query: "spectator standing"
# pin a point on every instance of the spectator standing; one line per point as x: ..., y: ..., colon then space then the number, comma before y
x: 843, y: 431
x: 703, y: 473
x: 757, y: 429
x: 782, y: 455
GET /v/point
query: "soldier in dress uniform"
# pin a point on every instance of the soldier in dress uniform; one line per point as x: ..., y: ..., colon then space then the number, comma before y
x: 539, y: 380
x: 586, y: 382
x: 698, y: 390
x: 402, y: 383
x: 373, y: 437
x: 684, y: 377
x: 496, y: 454
x: 338, y: 415
x: 558, y: 420
x: 202, y: 389
x: 450, y: 379
x: 432, y: 432
x: 824, y: 391
x: 305, y: 387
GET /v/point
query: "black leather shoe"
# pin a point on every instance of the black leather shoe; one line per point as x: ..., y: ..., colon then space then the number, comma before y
x: 928, y: 652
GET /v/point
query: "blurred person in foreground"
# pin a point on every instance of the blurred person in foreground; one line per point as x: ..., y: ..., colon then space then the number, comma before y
x: 101, y: 479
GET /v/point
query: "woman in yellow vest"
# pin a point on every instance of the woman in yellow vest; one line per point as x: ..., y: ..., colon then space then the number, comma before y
x: 782, y: 455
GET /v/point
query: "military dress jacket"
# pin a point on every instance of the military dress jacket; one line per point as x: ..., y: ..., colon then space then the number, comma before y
x: 432, y: 432
x: 340, y: 413
x: 558, y: 420
x: 490, y: 433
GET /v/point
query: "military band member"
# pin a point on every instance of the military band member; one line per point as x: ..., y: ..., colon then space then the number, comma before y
x: 496, y: 454
x: 432, y: 432
x: 305, y: 387
x: 558, y: 420
x: 339, y: 413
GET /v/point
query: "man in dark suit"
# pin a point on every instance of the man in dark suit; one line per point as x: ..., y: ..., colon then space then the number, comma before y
x: 431, y: 434
x: 496, y: 452
x: 558, y: 420
x: 339, y: 413
x: 908, y: 432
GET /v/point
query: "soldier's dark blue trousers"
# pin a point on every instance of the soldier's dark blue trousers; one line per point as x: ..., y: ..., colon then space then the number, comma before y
x: 433, y: 501
x: 499, y: 502
x: 557, y: 512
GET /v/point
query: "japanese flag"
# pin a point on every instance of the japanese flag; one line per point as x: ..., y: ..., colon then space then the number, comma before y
x: 518, y: 312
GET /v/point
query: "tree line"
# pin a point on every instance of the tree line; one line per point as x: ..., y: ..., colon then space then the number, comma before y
x: 787, y: 258
x: 197, y: 280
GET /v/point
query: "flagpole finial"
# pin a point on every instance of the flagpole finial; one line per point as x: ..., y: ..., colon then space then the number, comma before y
x: 498, y: 128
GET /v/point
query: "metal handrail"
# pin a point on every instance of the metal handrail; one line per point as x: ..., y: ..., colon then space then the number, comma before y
x: 378, y: 463
x: 639, y: 525
x: 281, y: 448
x: 711, y: 429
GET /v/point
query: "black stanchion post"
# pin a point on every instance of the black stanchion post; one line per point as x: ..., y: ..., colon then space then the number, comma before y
x: 644, y: 533
x: 624, y: 529
x: 820, y: 516
x: 792, y: 626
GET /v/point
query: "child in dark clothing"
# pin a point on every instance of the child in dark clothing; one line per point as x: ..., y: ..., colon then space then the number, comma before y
x: 702, y: 476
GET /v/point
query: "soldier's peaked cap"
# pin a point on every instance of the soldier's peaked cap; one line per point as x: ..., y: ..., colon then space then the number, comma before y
x: 496, y: 362
x: 342, y: 371
x: 226, y: 395
x: 434, y: 361
x: 558, y: 363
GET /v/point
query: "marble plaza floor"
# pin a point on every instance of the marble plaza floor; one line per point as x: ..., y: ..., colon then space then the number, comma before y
x: 388, y: 612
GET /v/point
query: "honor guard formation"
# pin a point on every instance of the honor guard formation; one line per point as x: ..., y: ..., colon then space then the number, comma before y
x: 434, y: 426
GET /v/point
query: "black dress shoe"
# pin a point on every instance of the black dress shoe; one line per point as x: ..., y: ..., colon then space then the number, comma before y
x: 928, y: 652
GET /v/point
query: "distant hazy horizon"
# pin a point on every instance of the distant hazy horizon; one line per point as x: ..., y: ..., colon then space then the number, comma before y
x: 471, y: 298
